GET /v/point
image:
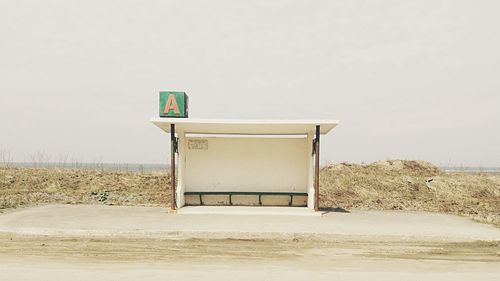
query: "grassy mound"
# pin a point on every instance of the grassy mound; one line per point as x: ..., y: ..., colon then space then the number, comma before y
x: 410, y: 185
x: 26, y: 187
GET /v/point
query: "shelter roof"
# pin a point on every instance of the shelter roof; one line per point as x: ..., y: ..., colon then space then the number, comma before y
x: 244, y: 127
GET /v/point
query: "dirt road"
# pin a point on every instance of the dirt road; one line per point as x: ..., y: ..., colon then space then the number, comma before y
x: 128, y: 243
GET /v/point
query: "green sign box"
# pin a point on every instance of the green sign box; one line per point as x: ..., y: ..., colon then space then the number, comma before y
x: 173, y: 104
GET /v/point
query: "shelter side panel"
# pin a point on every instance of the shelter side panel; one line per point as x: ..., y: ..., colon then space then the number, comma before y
x: 246, y: 164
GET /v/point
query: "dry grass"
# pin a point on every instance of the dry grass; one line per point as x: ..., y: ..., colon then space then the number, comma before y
x: 26, y: 187
x: 385, y: 185
x: 411, y: 185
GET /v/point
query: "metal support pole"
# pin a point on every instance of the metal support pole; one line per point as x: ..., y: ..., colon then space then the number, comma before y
x: 172, y: 166
x: 316, y: 170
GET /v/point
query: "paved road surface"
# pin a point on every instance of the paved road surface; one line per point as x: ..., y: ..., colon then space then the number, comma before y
x: 95, y: 219
x: 79, y: 242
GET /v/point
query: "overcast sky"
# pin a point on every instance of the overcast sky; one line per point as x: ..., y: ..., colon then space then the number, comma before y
x: 407, y: 79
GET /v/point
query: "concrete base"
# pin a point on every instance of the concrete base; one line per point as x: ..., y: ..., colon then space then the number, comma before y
x: 192, y: 200
x: 215, y: 200
x: 247, y: 210
x: 222, y: 220
x: 245, y: 200
x: 276, y: 200
x: 299, y: 201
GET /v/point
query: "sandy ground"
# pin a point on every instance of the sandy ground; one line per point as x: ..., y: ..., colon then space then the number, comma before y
x: 60, y: 242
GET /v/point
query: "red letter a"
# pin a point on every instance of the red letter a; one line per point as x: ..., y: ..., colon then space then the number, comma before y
x: 171, y: 104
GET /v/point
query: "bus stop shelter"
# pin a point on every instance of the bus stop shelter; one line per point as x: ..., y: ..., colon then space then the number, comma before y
x: 245, y: 162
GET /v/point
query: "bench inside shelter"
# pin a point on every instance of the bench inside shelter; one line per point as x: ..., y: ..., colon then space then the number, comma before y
x: 241, y: 198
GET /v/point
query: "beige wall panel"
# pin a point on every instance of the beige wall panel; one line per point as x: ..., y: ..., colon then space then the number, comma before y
x: 246, y: 164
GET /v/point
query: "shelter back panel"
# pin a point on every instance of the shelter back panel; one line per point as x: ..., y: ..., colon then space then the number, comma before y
x: 246, y: 164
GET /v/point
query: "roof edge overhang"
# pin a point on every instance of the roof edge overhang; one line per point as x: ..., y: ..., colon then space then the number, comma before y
x: 244, y: 127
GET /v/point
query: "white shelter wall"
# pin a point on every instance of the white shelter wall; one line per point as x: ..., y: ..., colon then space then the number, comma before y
x: 246, y: 164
